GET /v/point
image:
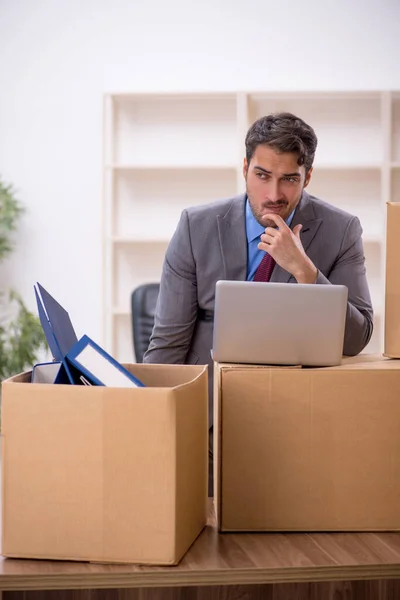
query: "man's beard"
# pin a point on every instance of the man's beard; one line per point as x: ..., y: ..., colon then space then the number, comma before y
x: 260, y: 216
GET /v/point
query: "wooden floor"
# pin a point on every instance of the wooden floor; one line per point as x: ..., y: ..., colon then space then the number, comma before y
x: 227, y: 567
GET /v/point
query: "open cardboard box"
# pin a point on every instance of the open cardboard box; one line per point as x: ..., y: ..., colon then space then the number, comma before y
x: 106, y: 474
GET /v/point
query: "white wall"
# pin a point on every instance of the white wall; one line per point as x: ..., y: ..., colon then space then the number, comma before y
x: 57, y: 58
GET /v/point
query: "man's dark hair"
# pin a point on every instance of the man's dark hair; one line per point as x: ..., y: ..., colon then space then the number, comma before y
x: 283, y: 132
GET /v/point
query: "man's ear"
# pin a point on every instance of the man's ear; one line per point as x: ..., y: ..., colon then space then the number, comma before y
x: 245, y: 168
x: 308, y: 177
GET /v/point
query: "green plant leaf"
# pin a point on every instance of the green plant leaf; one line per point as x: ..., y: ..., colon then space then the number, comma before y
x: 10, y: 211
x: 21, y: 334
x: 21, y: 340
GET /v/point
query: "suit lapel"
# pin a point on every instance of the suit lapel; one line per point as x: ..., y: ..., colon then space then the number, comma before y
x: 233, y: 241
x: 304, y: 215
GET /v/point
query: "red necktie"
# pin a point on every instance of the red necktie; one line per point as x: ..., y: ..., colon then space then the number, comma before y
x: 265, y: 268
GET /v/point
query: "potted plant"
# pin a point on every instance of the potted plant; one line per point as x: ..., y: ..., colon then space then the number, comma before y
x: 21, y: 334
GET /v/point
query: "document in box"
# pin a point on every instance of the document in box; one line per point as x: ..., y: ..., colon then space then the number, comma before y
x: 83, y: 362
x: 59, y: 332
x: 56, y: 324
x: 99, y: 367
x: 45, y: 372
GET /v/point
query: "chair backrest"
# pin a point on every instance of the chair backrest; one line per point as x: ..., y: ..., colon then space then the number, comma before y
x: 143, y: 306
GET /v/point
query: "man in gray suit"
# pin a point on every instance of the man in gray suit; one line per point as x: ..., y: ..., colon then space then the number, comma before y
x: 309, y: 241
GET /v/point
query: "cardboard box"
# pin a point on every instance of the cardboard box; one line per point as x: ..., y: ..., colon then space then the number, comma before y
x: 308, y: 449
x: 106, y: 474
x: 392, y: 298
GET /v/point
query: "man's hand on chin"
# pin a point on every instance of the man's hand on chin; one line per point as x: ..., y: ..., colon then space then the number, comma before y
x: 285, y: 247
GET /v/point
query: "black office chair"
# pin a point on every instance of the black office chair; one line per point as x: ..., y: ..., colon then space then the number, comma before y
x: 143, y: 306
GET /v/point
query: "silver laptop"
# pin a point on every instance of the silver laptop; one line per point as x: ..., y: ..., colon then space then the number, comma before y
x: 279, y: 323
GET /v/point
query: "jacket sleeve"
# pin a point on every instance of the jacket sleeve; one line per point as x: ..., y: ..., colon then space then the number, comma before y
x: 176, y: 310
x: 349, y: 270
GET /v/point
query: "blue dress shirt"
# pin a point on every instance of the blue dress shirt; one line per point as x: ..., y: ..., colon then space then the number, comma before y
x: 253, y: 233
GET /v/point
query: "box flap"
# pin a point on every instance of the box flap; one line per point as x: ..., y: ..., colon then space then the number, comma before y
x: 361, y: 361
x: 392, y: 291
x: 166, y: 376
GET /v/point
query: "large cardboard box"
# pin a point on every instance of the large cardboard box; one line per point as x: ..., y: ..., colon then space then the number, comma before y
x: 308, y: 449
x: 392, y: 298
x: 106, y: 474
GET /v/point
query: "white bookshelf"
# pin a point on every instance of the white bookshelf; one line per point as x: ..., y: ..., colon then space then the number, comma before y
x: 165, y: 152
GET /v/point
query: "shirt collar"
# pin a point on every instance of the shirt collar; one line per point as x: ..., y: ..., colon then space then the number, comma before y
x: 253, y: 227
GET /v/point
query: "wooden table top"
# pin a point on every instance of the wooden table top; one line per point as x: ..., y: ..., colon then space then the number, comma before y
x: 224, y: 559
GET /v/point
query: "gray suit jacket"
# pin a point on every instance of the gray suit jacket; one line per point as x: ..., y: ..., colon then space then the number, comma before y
x: 210, y: 244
